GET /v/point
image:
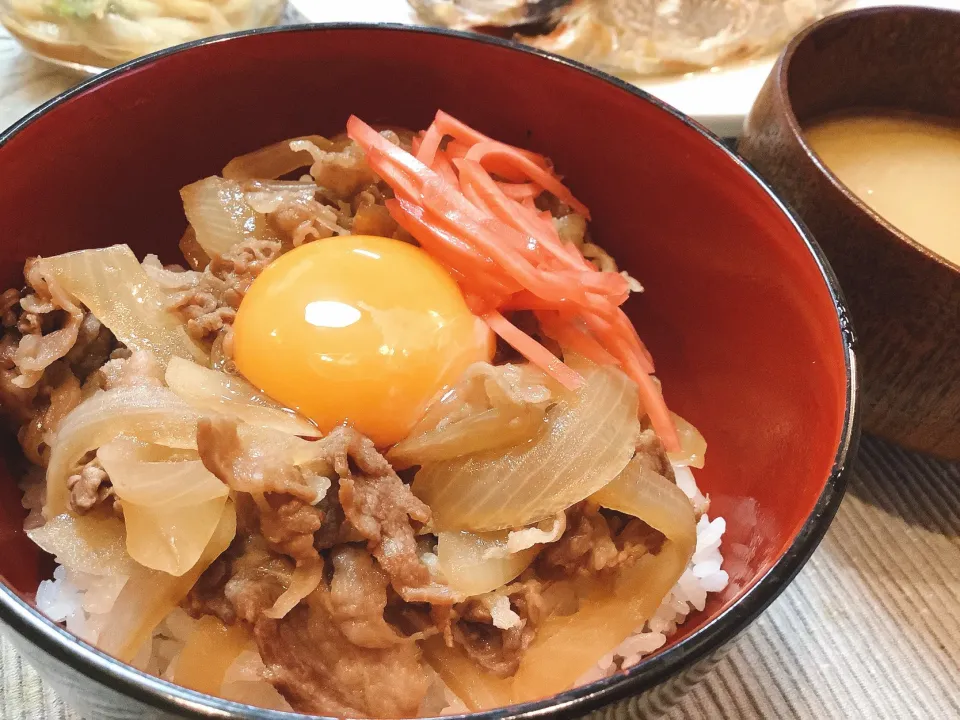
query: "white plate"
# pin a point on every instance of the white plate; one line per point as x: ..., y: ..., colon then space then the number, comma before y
x: 719, y: 98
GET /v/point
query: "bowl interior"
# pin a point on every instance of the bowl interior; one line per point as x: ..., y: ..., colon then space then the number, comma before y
x: 736, y: 309
x: 900, y: 59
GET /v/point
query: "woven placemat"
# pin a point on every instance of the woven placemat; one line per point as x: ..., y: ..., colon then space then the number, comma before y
x: 869, y: 629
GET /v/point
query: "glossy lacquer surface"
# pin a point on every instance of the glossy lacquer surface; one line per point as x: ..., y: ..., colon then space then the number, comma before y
x: 739, y: 309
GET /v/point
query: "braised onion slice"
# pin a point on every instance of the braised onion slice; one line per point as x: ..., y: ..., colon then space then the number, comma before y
x: 220, y: 216
x: 117, y: 290
x: 149, y: 414
x: 231, y: 395
x: 477, y: 563
x: 487, y: 430
x: 170, y: 281
x: 150, y: 595
x: 693, y: 447
x: 274, y: 161
x: 195, y: 255
x: 643, y: 493
x: 243, y: 683
x: 567, y: 646
x: 267, y: 197
x: 490, y: 407
x: 170, y: 508
x: 210, y: 650
x: 304, y: 581
x: 92, y: 544
x: 587, y: 438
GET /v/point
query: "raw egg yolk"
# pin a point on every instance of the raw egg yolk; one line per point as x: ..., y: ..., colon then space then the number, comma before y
x: 357, y: 329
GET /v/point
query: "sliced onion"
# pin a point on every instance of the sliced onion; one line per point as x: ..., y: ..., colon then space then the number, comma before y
x: 316, y: 219
x: 244, y: 683
x: 248, y: 667
x: 566, y: 646
x: 150, y: 414
x: 195, y: 255
x: 116, y: 289
x: 474, y: 564
x: 304, y: 581
x: 220, y: 216
x: 210, y: 650
x: 169, y: 280
x: 231, y: 395
x: 478, y: 563
x: 485, y: 386
x: 477, y: 689
x: 267, y: 197
x: 150, y: 595
x: 587, y: 439
x: 273, y: 161
x: 693, y: 446
x: 264, y: 442
x: 488, y: 430
x: 89, y: 544
x: 490, y: 407
x: 170, y: 509
x: 641, y: 492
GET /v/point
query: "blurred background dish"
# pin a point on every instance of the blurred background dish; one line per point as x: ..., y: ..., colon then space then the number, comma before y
x: 707, y: 58
x: 636, y: 37
x: 91, y: 35
x: 733, y: 41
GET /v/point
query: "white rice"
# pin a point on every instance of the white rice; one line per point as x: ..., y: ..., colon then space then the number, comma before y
x: 81, y: 601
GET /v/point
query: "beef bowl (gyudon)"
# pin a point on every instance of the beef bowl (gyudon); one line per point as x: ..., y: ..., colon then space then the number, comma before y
x: 379, y: 438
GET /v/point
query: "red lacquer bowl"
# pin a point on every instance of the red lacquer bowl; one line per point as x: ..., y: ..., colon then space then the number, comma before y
x: 741, y: 311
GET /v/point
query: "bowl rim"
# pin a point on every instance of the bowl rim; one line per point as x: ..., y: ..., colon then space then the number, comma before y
x: 781, y: 74
x: 85, y: 659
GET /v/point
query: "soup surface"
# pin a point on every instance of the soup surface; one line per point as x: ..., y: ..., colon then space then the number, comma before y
x: 905, y: 167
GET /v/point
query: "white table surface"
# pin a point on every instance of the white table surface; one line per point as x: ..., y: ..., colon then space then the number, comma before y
x: 869, y: 629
